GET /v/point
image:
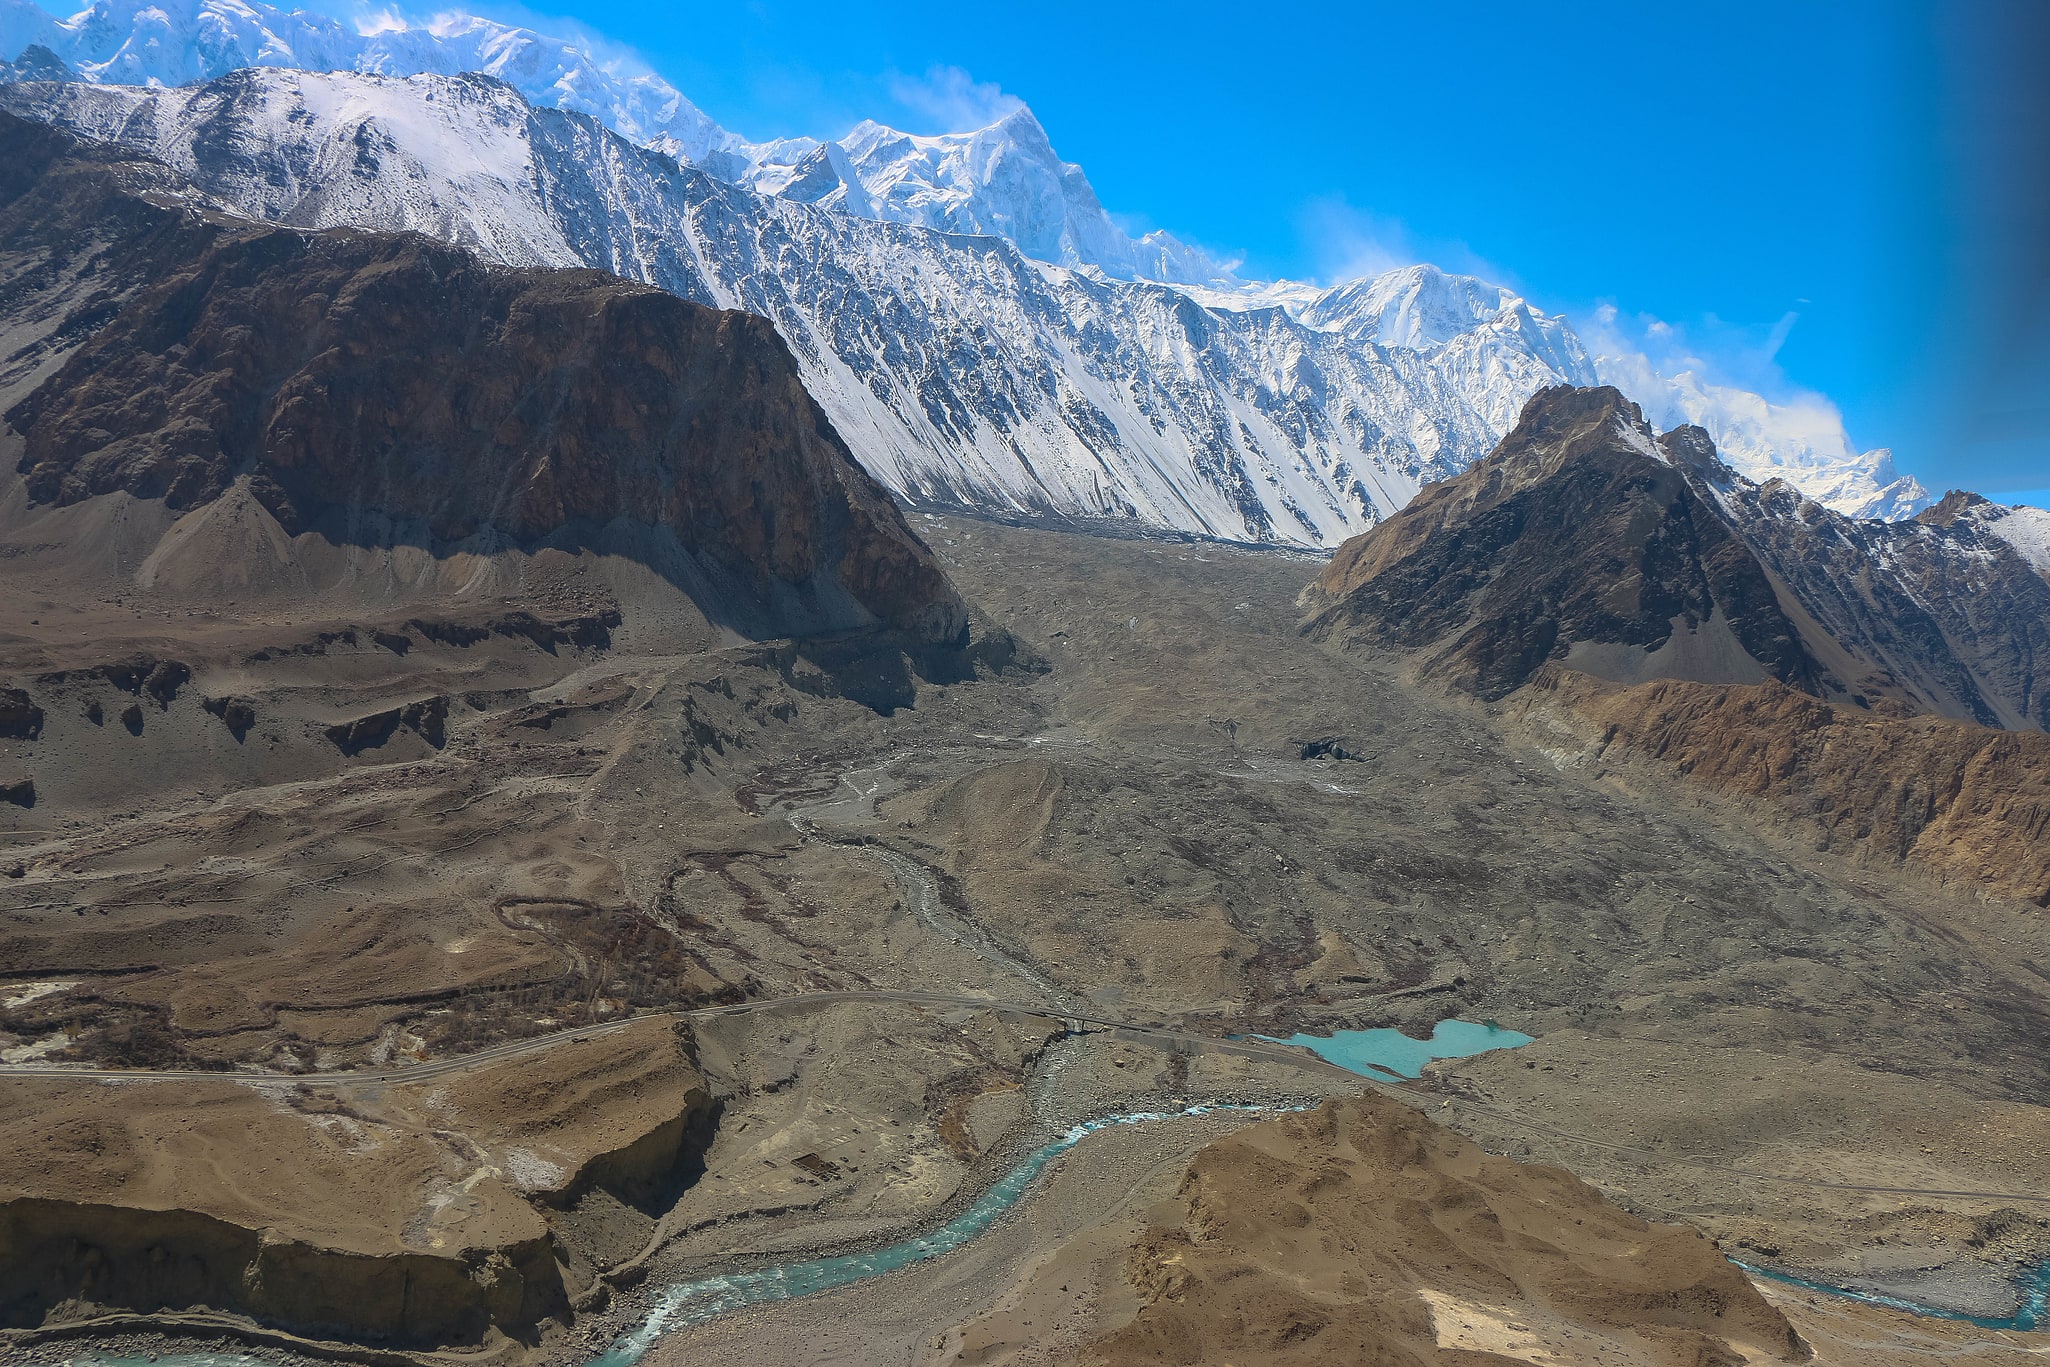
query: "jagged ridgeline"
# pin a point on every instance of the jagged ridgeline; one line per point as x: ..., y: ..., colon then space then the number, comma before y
x: 961, y: 371
x: 382, y: 390
x: 1586, y: 539
x: 1630, y: 596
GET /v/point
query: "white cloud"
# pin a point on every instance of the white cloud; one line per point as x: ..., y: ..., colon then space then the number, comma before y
x: 1350, y: 243
x: 371, y: 18
x: 1739, y: 367
x: 952, y: 101
x: 1717, y: 352
x: 1763, y: 425
x: 370, y: 23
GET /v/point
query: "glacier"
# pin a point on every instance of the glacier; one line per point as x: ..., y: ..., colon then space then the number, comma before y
x: 979, y: 329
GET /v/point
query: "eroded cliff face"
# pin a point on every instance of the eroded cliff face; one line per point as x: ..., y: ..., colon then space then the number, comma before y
x: 1966, y: 803
x: 1362, y: 1232
x: 1575, y: 540
x: 458, y: 1211
x: 385, y: 389
x: 59, y: 1256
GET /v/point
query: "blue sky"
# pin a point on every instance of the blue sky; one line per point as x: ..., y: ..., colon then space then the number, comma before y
x: 1816, y: 196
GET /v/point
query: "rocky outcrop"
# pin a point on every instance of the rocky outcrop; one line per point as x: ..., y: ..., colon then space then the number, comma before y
x: 1576, y: 539
x: 1965, y: 803
x: 464, y: 1228
x: 66, y: 1253
x: 649, y: 1168
x: 1361, y: 1232
x: 237, y: 714
x: 384, y: 389
x: 426, y: 718
x: 20, y: 718
x: 587, y: 631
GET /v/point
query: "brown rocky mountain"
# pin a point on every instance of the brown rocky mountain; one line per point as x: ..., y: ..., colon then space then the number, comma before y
x: 1966, y: 802
x: 1574, y: 540
x: 1641, y: 599
x: 1940, y: 612
x: 1364, y: 1233
x: 1588, y: 541
x: 384, y: 390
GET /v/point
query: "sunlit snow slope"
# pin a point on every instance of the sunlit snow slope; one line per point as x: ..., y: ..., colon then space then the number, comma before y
x: 978, y: 327
x: 958, y: 369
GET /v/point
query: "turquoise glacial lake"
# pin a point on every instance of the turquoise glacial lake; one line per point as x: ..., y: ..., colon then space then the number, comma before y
x: 1377, y: 1053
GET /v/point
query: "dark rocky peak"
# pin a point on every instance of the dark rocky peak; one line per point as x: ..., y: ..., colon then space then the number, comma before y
x: 1558, y: 427
x: 1583, y: 540
x: 1952, y: 506
x: 1691, y: 449
x: 382, y: 390
x: 1572, y: 421
x: 1576, y: 540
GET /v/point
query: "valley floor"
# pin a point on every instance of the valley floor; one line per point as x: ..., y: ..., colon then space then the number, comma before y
x: 1163, y: 808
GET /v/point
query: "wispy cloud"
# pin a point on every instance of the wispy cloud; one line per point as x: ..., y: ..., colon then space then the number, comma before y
x: 1715, y: 351
x: 1637, y: 351
x: 1346, y: 242
x: 949, y: 100
x: 371, y: 22
x: 372, y: 17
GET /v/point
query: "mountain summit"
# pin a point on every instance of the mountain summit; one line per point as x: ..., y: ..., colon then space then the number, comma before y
x: 1587, y: 541
x: 1579, y: 540
x: 1317, y: 478
x: 1004, y: 180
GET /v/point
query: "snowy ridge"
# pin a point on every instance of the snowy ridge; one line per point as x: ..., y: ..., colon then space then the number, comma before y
x: 2025, y: 528
x: 177, y: 42
x: 958, y: 370
x: 1285, y: 468
x: 1003, y: 180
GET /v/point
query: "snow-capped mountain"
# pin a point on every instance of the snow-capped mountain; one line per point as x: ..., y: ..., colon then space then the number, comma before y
x: 2025, y: 529
x: 177, y: 42
x: 1480, y: 342
x: 1001, y: 181
x: 958, y: 370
